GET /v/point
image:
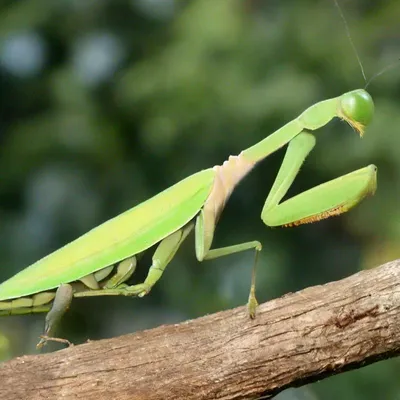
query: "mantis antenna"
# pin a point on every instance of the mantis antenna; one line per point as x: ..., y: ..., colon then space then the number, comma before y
x: 382, y: 71
x: 346, y: 26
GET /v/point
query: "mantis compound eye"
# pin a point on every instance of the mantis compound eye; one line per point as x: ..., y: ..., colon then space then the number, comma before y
x: 357, y: 109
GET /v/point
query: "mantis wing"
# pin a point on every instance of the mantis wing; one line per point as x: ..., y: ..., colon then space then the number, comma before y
x: 123, y: 236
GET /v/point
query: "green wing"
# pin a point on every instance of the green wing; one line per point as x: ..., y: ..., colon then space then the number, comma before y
x: 129, y: 233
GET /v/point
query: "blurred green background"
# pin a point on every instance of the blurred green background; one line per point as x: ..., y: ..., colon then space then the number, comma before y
x: 105, y: 103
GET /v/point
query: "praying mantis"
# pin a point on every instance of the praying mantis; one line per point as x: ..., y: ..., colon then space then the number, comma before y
x: 100, y: 262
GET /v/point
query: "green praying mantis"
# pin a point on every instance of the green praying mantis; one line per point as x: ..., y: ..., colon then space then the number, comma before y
x: 100, y: 262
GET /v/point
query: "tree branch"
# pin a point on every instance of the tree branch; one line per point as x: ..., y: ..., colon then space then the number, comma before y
x: 299, y: 338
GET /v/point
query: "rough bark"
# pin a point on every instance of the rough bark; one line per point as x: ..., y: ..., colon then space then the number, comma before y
x: 298, y: 338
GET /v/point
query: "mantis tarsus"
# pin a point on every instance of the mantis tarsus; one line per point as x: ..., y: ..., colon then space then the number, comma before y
x: 101, y: 261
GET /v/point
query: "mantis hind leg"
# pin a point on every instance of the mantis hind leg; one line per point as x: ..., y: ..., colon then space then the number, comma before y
x: 60, y: 305
x: 331, y: 198
x: 65, y: 293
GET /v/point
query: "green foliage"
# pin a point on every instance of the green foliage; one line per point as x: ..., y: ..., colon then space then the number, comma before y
x: 106, y: 103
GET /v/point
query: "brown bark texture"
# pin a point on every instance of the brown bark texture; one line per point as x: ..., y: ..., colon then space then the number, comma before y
x: 298, y: 338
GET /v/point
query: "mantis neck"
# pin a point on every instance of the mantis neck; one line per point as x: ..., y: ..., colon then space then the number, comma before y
x: 311, y: 119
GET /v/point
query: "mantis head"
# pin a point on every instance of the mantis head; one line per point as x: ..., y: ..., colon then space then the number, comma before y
x: 357, y: 109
